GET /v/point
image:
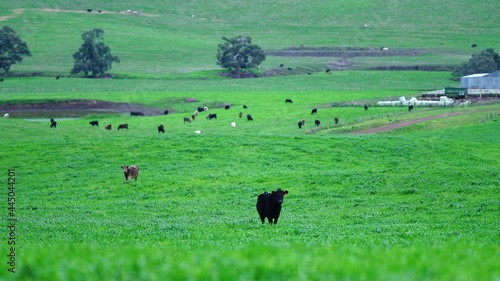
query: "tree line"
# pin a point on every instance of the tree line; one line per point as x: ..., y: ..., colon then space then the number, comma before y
x: 237, y: 54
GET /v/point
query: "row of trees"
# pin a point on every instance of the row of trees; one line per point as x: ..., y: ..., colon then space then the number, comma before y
x: 93, y: 59
x: 237, y: 54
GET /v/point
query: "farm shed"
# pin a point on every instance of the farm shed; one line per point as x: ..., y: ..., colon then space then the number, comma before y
x: 481, y: 81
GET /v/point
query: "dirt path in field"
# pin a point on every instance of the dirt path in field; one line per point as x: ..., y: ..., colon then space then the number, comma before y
x: 411, y: 122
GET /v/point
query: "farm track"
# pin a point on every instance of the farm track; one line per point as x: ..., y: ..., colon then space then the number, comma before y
x: 411, y: 122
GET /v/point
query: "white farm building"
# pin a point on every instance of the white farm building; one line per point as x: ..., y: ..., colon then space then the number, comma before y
x: 481, y: 81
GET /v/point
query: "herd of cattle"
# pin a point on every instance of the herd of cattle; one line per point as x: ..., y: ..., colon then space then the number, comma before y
x: 210, y: 116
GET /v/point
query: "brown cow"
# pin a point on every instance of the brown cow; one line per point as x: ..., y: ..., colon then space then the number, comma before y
x: 131, y: 172
x: 187, y: 119
x: 108, y: 127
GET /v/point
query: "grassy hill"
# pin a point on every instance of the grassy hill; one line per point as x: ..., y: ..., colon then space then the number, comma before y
x: 418, y: 203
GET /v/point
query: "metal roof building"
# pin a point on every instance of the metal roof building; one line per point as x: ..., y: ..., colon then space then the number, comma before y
x: 481, y: 81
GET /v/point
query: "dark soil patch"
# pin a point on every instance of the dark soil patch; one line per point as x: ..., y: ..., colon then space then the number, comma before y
x: 80, y: 106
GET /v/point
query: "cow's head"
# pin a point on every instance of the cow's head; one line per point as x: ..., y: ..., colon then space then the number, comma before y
x: 279, y: 195
x: 125, y: 169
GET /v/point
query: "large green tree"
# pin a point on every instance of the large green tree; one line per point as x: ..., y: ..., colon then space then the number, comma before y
x: 486, y: 61
x: 238, y: 54
x: 12, y: 48
x: 94, y: 56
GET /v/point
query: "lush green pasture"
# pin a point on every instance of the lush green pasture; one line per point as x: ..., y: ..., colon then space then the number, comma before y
x: 359, y: 208
x: 166, y: 39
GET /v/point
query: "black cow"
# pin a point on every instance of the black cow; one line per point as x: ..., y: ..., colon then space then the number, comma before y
x: 53, y: 123
x: 269, y: 205
x: 57, y: 77
x: 328, y: 71
x: 122, y: 126
x: 94, y: 123
x: 89, y: 10
x: 249, y: 117
x: 1, y: 79
x: 316, y: 122
x: 314, y: 111
x: 136, y: 113
x: 187, y: 120
x: 245, y: 106
x: 336, y: 120
x: 165, y: 112
x: 473, y: 46
x: 227, y: 107
x: 301, y: 123
x: 108, y: 127
x: 366, y: 107
x: 240, y: 114
x: 288, y: 101
x: 200, y: 109
x: 161, y: 129
x: 410, y: 108
x: 211, y: 116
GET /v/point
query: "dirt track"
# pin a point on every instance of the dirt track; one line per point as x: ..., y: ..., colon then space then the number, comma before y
x: 409, y: 122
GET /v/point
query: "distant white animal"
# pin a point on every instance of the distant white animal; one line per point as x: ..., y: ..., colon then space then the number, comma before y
x: 365, y: 25
x: 205, y: 108
x: 192, y: 16
x: 384, y: 49
x: 135, y: 12
x: 129, y: 11
x: 197, y: 132
x: 6, y: 115
x: 233, y: 124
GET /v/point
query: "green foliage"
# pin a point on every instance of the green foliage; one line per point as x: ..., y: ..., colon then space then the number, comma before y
x: 12, y: 48
x: 486, y: 61
x: 238, y: 54
x: 93, y: 56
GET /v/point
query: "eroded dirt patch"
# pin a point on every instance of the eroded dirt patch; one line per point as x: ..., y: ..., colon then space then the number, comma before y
x: 81, y: 106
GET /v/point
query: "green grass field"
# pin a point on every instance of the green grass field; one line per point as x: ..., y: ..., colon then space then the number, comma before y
x: 418, y: 203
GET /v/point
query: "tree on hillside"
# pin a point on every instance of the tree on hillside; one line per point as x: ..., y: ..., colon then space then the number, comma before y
x: 93, y: 56
x: 12, y: 48
x: 238, y: 54
x: 486, y: 61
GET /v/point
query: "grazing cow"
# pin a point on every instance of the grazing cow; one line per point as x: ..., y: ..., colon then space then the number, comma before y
x: 187, y: 120
x: 200, y: 109
x: 336, y: 120
x: 249, y: 117
x: 211, y: 116
x: 301, y: 123
x: 135, y: 12
x: 108, y: 127
x: 57, y: 77
x: 131, y: 172
x: 98, y: 11
x: 1, y: 79
x: 53, y: 123
x: 245, y: 106
x: 136, y: 113
x: 240, y: 114
x: 227, y: 106
x: 6, y: 115
x: 122, y: 126
x: 233, y: 124
x: 196, y: 112
x: 328, y: 71
x: 89, y: 10
x: 269, y: 205
x: 366, y: 107
x: 94, y: 123
x: 473, y: 46
x: 281, y: 65
x: 314, y: 111
x: 165, y: 112
x: 316, y: 122
x: 290, y: 68
x: 288, y: 101
x: 205, y: 108
x: 384, y: 49
x: 193, y: 117
x: 410, y: 108
x: 161, y: 129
